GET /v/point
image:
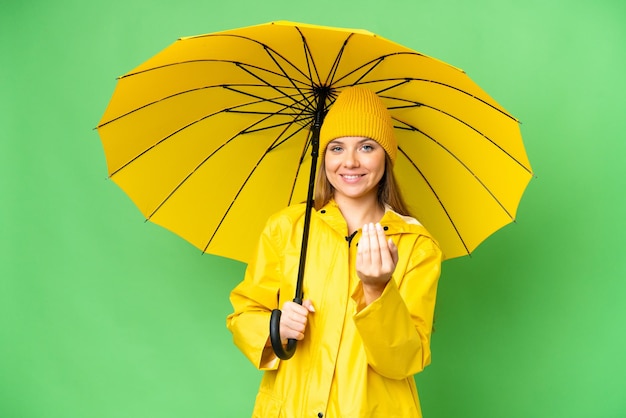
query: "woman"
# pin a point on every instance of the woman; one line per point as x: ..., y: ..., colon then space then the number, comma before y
x: 365, y: 323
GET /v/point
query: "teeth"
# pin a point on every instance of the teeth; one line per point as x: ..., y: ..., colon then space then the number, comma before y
x: 351, y: 177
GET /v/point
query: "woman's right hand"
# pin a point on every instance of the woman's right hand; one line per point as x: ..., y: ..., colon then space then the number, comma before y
x: 376, y: 261
x: 293, y: 320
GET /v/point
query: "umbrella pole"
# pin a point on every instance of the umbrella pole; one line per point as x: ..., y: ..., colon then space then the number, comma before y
x: 277, y: 345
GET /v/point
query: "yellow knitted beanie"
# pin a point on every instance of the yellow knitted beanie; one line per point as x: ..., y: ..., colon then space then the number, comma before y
x: 358, y: 111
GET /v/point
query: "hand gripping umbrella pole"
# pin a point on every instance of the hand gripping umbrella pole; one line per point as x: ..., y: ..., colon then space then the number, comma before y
x: 277, y: 345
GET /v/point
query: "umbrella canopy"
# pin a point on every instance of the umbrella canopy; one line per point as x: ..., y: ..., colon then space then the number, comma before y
x: 213, y: 134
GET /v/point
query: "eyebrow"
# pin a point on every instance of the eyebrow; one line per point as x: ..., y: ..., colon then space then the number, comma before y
x: 338, y: 141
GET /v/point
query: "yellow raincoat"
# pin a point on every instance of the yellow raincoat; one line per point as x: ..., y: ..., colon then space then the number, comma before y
x: 355, y: 360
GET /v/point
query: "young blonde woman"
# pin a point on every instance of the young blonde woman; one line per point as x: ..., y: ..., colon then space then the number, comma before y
x: 370, y: 283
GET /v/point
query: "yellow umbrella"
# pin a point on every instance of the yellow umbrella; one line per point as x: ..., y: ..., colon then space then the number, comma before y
x: 218, y: 131
x: 214, y: 133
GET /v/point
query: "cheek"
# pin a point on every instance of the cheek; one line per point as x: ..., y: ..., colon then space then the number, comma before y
x: 330, y: 175
x: 379, y: 177
x: 377, y: 164
x: 330, y: 164
x: 330, y: 170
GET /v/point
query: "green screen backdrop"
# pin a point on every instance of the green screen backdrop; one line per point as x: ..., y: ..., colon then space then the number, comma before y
x: 103, y: 315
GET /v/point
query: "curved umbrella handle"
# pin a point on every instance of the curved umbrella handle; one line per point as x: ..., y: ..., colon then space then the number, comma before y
x: 277, y: 344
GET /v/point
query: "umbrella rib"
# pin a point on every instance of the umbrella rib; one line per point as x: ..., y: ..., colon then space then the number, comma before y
x: 373, y: 63
x: 306, y: 146
x: 243, y: 66
x: 279, y: 140
x: 268, y: 48
x: 456, y: 230
x: 180, y: 93
x: 399, y: 82
x: 265, y: 46
x: 272, y: 53
x: 269, y: 127
x: 335, y: 67
x: 289, y: 78
x: 410, y: 79
x: 309, y: 58
x: 235, y: 63
x: 277, y: 144
x: 159, y: 142
x: 268, y: 84
x: 261, y: 98
x: 297, y: 115
x: 415, y: 104
x: 425, y: 80
x: 183, y: 181
x: 484, y: 186
x: 376, y: 61
x: 208, y: 60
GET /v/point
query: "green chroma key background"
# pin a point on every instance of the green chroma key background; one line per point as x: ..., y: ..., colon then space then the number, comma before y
x: 105, y: 316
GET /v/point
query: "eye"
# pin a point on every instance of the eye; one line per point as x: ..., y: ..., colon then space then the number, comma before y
x: 367, y: 147
x: 335, y: 148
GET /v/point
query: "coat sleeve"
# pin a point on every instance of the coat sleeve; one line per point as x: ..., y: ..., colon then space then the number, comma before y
x: 253, y: 301
x: 396, y: 328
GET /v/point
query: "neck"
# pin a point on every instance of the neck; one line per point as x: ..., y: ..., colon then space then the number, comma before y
x: 358, y: 212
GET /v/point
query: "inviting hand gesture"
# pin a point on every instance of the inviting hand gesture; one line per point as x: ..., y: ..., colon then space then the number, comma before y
x: 375, y: 261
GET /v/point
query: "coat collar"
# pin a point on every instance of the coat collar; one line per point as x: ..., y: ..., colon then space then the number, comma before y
x: 393, y: 222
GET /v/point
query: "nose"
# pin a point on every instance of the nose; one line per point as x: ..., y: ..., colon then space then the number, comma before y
x: 350, y: 159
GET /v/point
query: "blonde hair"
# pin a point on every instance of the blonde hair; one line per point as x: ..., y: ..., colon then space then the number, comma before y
x: 388, y: 191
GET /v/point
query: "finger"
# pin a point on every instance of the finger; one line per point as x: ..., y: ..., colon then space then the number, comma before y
x: 363, y: 250
x: 287, y: 333
x: 295, y: 315
x: 394, y: 251
x: 375, y: 250
x: 308, y: 305
x: 289, y: 329
x: 364, y: 242
x: 295, y: 308
x: 294, y: 319
x: 385, y: 253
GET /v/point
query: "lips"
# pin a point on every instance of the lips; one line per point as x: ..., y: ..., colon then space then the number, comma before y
x: 351, y: 178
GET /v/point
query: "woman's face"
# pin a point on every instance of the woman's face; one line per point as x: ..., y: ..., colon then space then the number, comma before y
x: 354, y: 166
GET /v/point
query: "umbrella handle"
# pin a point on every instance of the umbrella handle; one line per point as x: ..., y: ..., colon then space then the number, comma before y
x: 277, y: 345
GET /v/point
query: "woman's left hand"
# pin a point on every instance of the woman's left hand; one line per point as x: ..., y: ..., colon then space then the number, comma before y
x: 375, y: 260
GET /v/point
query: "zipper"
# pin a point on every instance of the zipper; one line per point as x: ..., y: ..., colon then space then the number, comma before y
x: 349, y: 238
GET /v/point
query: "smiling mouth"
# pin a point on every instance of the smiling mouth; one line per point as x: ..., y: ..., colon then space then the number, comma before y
x: 352, y: 176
